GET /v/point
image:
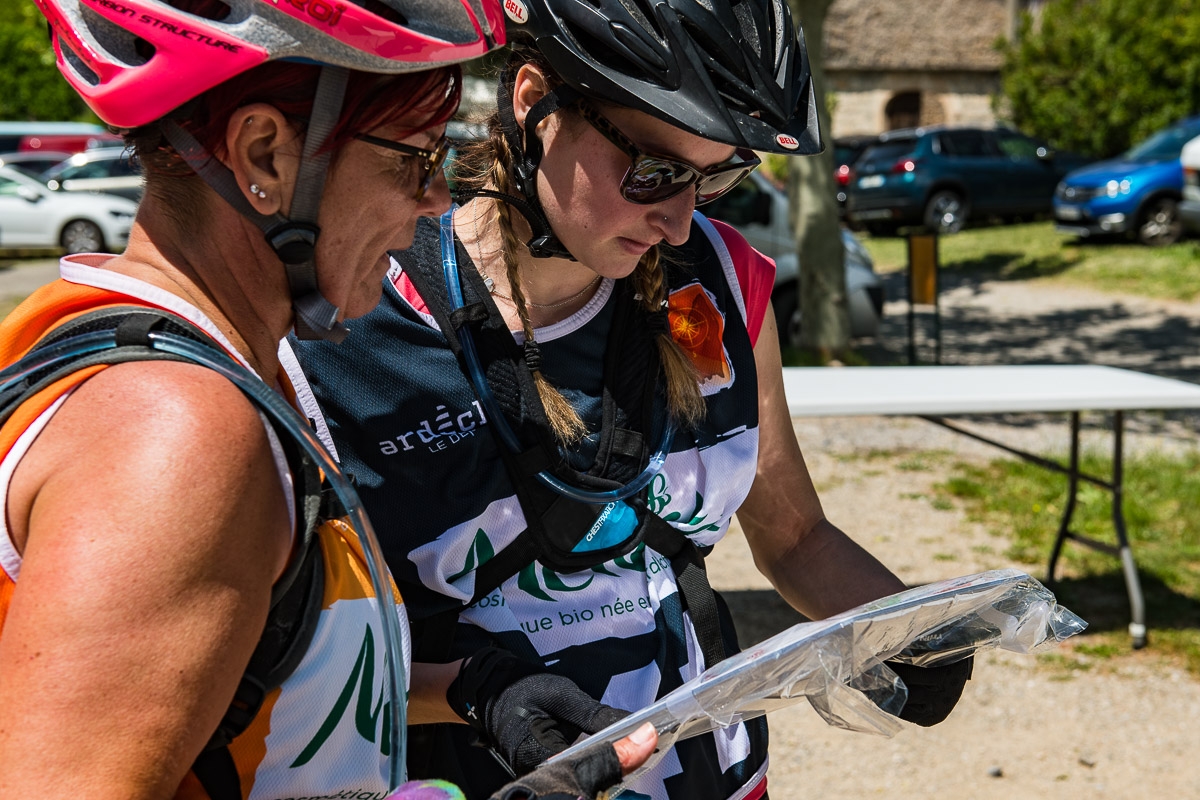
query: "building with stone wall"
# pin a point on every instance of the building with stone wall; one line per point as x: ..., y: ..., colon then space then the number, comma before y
x: 901, y: 63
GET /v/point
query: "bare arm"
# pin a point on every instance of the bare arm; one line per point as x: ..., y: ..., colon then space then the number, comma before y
x: 152, y: 525
x: 815, y: 567
x: 427, y: 693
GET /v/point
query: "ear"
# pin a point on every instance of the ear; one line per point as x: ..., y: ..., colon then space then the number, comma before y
x: 264, y: 151
x: 529, y: 87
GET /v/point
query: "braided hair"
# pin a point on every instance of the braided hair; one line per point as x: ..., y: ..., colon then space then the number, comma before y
x: 485, y: 164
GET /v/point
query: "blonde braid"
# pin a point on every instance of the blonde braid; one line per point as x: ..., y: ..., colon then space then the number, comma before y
x: 683, y: 381
x: 563, y: 418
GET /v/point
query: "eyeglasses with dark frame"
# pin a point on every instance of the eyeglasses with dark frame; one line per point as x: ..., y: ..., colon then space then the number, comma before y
x: 652, y: 179
x: 433, y: 160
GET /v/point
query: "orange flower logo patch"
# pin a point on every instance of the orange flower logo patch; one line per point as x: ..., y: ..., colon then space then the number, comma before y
x: 699, y: 328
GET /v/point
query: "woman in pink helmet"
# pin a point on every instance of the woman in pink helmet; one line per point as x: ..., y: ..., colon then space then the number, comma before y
x: 189, y: 607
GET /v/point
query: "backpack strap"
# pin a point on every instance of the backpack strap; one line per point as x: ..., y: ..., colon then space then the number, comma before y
x: 631, y: 356
x: 296, y: 598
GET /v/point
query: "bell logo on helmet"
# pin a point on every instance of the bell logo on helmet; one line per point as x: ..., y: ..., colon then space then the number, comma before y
x: 516, y: 11
x: 790, y: 142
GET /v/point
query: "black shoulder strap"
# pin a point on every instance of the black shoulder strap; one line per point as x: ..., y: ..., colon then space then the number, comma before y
x: 295, y: 598
x: 630, y: 356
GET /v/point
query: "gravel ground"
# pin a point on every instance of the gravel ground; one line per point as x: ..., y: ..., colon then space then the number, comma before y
x: 1025, y: 728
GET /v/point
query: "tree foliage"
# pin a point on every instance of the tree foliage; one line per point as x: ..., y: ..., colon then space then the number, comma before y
x: 31, y: 87
x: 1098, y: 76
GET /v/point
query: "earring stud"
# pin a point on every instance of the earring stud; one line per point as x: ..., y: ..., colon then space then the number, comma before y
x: 255, y: 190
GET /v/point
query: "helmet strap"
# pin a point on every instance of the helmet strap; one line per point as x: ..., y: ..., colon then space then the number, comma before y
x: 527, y: 156
x: 294, y: 238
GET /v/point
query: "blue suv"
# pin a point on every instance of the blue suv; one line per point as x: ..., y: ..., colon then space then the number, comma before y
x: 1136, y: 194
x: 942, y: 176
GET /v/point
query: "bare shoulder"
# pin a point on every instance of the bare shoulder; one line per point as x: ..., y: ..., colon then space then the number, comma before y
x: 169, y: 443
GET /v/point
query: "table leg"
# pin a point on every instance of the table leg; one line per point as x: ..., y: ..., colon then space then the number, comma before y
x: 1137, y: 605
x: 1064, y: 528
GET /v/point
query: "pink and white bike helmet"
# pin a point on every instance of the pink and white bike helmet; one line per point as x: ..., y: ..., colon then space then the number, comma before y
x: 133, y: 61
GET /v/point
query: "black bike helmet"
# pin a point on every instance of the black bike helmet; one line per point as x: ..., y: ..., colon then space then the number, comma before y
x: 733, y: 71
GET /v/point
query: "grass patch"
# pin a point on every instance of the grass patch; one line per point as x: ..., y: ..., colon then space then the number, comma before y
x: 1024, y: 504
x: 1037, y: 251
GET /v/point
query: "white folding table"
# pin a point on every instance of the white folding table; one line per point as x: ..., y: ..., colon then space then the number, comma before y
x: 936, y: 392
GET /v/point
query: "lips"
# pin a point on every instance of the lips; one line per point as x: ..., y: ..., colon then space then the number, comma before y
x: 635, y: 247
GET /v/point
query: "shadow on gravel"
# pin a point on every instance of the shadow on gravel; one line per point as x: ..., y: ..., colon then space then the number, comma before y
x: 1104, y: 603
x: 1101, y: 600
x: 1163, y: 343
x: 759, y: 614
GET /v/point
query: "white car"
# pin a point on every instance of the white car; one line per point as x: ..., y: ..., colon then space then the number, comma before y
x: 1189, y: 207
x: 759, y: 211
x: 33, y: 216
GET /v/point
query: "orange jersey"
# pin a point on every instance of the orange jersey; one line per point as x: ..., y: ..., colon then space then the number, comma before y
x: 322, y: 733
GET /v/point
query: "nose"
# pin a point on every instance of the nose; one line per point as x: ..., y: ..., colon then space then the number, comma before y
x: 436, y: 200
x: 673, y: 217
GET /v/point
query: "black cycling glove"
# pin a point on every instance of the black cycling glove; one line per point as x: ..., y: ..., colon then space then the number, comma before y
x: 580, y: 778
x: 932, y: 691
x: 523, y: 712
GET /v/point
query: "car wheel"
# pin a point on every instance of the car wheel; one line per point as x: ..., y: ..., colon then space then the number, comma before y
x: 946, y: 212
x: 1160, y: 224
x: 82, y: 236
x: 786, y: 304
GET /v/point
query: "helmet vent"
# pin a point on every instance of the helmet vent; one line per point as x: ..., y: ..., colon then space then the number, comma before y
x: 618, y: 48
x: 114, y: 41
x: 749, y: 30
x: 214, y: 10
x: 384, y: 10
x: 76, y: 64
x: 637, y: 47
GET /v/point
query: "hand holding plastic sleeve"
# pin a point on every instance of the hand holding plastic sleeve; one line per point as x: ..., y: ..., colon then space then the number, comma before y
x: 932, y: 691
x: 579, y: 778
x: 525, y: 713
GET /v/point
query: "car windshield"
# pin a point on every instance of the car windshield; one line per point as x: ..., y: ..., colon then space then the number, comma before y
x: 1166, y: 144
x: 888, y: 152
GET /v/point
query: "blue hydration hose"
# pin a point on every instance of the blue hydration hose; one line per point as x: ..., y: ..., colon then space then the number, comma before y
x: 454, y: 291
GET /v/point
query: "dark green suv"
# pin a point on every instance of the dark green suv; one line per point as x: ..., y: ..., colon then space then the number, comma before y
x: 939, y: 177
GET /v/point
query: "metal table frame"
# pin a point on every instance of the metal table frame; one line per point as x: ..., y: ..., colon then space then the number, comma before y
x: 1114, y: 486
x: 934, y: 393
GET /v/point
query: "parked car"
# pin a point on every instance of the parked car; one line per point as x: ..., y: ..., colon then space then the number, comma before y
x: 107, y: 169
x: 1189, y: 207
x: 846, y: 150
x: 941, y: 177
x: 759, y: 211
x: 33, y: 162
x: 70, y: 137
x: 32, y: 216
x: 1135, y: 194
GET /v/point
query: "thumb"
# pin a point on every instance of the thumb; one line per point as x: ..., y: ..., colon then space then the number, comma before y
x: 636, y: 748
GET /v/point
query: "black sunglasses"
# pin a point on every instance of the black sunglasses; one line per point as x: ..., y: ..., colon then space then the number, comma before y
x: 652, y: 179
x: 433, y: 159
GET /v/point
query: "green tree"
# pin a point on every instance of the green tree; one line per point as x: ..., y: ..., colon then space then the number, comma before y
x: 30, y: 85
x: 1098, y: 76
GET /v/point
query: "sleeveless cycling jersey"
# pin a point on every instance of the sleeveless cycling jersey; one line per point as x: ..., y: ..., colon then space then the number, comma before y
x: 406, y: 423
x: 320, y: 734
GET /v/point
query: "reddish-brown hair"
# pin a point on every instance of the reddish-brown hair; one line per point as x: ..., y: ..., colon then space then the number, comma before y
x: 420, y: 100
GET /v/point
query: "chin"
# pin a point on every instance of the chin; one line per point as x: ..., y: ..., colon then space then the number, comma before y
x: 364, y: 304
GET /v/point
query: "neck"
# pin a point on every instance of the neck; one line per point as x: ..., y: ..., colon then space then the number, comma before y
x: 233, y: 279
x: 554, y: 288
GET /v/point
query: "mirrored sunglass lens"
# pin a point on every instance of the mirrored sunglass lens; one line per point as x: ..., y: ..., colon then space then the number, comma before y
x: 651, y: 180
x: 713, y: 186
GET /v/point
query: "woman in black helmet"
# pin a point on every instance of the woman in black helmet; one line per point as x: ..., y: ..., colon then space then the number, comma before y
x: 585, y: 375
